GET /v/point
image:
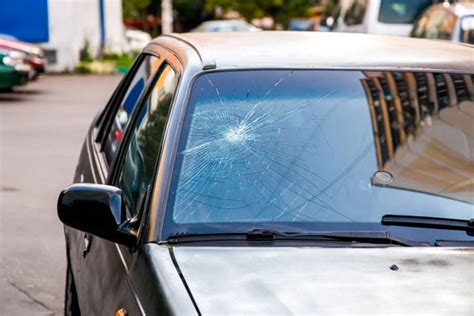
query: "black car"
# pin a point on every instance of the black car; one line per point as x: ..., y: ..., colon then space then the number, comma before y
x: 278, y: 173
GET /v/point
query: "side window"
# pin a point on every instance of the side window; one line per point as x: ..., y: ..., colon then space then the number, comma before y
x: 141, y: 154
x: 127, y: 105
x: 356, y: 12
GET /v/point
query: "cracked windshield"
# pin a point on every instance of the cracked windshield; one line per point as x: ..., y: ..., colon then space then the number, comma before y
x: 308, y: 146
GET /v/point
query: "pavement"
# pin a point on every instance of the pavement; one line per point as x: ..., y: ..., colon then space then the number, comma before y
x: 42, y: 127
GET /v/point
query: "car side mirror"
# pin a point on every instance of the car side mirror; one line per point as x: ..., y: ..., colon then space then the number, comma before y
x: 98, y: 210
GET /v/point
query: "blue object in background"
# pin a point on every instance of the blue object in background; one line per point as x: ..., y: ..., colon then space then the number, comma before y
x: 102, y: 23
x: 26, y: 20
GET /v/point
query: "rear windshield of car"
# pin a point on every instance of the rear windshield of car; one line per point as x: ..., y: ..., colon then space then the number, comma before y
x: 314, y: 147
x: 401, y: 11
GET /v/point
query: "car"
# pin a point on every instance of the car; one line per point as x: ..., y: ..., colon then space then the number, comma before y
x: 304, y: 24
x: 14, y: 69
x: 384, y: 17
x: 136, y: 39
x: 451, y: 22
x: 225, y: 26
x: 286, y: 179
x: 35, y: 56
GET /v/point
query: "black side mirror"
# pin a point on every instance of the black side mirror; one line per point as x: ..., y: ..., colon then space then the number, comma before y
x: 98, y: 210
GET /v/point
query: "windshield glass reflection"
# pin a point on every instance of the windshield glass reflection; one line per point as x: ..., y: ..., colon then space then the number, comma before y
x: 310, y: 147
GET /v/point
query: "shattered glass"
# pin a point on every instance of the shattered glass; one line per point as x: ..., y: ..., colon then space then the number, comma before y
x: 274, y: 146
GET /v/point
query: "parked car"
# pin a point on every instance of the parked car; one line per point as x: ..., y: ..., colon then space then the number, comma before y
x: 34, y: 55
x: 136, y: 39
x: 304, y: 24
x: 225, y: 26
x: 386, y: 17
x: 287, y: 179
x: 14, y: 70
x: 452, y: 22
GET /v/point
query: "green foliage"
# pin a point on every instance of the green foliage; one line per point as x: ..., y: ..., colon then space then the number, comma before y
x: 125, y: 60
x: 134, y: 8
x: 190, y: 13
x: 84, y: 53
x: 120, y: 60
x: 109, y: 63
x: 83, y: 68
x: 281, y: 10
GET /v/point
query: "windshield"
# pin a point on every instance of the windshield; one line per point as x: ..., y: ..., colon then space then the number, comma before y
x: 322, y: 149
x: 402, y: 11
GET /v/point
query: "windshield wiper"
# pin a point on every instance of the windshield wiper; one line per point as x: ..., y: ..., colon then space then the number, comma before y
x: 257, y: 234
x: 372, y: 237
x: 430, y: 222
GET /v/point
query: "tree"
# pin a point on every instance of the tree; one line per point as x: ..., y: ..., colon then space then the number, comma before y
x: 189, y: 14
x: 281, y: 10
x: 134, y: 8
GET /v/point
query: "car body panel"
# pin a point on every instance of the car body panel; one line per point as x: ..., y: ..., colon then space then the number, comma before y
x: 329, y: 281
x: 97, y: 262
x: 158, y: 283
x: 11, y: 76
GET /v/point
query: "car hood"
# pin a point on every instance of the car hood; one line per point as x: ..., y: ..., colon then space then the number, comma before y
x: 327, y: 281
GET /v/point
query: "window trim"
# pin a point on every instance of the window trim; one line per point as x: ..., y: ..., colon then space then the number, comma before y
x: 118, y: 162
x: 103, y: 133
x: 117, y: 165
x: 118, y: 94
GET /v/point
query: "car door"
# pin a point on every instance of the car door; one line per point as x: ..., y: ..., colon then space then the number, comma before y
x: 99, y: 153
x: 135, y: 172
x: 106, y: 265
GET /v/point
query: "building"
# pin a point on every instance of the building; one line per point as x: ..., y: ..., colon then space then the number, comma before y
x: 63, y: 27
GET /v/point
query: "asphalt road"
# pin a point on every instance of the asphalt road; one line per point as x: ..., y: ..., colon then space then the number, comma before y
x: 42, y: 127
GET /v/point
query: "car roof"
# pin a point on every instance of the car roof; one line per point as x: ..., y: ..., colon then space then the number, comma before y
x: 284, y: 49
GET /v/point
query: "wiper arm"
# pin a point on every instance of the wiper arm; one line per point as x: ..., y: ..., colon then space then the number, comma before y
x: 430, y: 222
x: 381, y: 237
x: 273, y: 235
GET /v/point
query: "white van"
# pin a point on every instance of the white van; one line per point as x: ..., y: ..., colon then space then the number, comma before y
x: 388, y: 17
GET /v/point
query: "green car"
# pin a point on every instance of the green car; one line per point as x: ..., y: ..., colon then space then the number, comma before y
x: 14, y: 71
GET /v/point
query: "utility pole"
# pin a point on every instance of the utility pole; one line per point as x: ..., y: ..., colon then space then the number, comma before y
x: 102, y: 28
x: 166, y: 16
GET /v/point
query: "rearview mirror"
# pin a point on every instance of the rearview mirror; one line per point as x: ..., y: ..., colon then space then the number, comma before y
x: 98, y: 210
